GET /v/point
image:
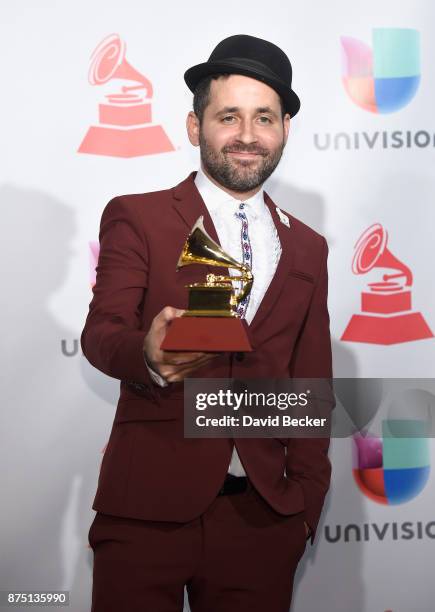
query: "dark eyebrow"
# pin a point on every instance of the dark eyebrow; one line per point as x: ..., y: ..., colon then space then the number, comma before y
x: 266, y: 109
x: 228, y: 109
x: 236, y: 109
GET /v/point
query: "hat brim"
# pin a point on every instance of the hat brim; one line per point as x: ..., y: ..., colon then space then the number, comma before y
x: 193, y: 75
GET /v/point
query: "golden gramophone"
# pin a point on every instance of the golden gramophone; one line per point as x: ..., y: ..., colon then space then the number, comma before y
x: 211, y: 322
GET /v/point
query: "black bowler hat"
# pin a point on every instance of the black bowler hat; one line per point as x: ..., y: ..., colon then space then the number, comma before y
x: 252, y: 57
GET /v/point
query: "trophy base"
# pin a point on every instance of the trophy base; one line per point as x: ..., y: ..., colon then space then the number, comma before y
x: 387, y: 330
x: 132, y: 142
x: 208, y: 334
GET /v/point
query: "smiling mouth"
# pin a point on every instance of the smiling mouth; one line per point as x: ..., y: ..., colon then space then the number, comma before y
x: 244, y: 155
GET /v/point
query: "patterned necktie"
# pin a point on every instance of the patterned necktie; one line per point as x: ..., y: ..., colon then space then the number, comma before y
x: 246, y: 253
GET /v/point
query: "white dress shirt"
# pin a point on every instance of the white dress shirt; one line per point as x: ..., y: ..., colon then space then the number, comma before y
x: 266, y: 251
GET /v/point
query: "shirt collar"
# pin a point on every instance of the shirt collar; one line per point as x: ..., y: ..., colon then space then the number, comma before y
x: 218, y: 200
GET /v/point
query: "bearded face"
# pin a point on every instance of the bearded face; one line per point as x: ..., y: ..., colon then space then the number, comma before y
x: 238, y: 166
x: 242, y: 134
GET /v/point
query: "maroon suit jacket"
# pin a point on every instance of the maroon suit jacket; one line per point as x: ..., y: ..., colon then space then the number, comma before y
x: 149, y: 470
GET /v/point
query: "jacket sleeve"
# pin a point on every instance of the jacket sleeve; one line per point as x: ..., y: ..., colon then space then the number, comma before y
x: 112, y: 340
x: 307, y: 458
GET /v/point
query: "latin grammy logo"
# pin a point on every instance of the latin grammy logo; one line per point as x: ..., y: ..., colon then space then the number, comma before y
x: 125, y: 120
x: 387, y: 316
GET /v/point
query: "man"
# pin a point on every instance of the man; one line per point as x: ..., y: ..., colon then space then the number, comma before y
x: 227, y: 518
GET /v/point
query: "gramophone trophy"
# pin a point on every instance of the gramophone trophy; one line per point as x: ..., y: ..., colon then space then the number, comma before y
x: 211, y: 322
x: 387, y: 316
x: 125, y: 128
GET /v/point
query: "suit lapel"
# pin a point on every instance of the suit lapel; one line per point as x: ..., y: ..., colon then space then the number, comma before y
x: 189, y: 205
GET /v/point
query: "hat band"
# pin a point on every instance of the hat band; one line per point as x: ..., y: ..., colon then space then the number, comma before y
x: 243, y: 62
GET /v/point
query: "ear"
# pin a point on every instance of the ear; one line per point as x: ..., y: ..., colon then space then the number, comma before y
x: 192, y: 125
x: 286, y: 124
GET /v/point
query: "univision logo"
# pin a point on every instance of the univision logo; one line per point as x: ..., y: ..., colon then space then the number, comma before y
x: 394, y: 469
x: 397, y: 139
x: 384, y: 78
x: 368, y: 532
x: 380, y: 79
x: 391, y: 471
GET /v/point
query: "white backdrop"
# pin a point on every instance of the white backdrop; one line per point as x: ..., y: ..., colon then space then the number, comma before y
x: 57, y: 410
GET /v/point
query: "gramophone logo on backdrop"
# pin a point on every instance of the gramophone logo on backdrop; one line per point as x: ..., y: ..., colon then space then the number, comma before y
x: 387, y: 316
x: 125, y: 126
x: 385, y: 78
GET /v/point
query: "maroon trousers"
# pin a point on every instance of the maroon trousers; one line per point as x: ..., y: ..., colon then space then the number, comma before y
x: 239, y: 555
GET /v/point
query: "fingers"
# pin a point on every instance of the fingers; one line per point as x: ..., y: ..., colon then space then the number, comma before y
x: 168, y: 313
x: 157, y: 331
x: 180, y: 373
x: 180, y: 359
x: 188, y: 367
x: 164, y: 318
x: 172, y: 365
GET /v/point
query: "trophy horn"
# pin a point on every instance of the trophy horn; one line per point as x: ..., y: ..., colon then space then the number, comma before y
x: 200, y: 248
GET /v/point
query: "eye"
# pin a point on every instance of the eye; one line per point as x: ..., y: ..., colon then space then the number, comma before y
x: 264, y: 119
x: 228, y: 119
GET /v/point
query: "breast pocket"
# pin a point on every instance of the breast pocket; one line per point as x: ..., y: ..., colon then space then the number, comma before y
x: 306, y: 276
x: 299, y: 289
x: 294, y: 301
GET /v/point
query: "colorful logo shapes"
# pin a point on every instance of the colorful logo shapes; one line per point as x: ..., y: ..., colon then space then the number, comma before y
x: 395, y: 469
x: 386, y: 78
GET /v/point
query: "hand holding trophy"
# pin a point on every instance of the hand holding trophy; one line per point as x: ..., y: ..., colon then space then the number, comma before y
x: 211, y: 322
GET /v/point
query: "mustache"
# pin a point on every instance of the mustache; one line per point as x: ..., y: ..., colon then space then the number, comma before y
x: 234, y: 148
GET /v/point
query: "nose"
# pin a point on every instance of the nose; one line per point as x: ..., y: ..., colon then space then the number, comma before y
x: 247, y: 133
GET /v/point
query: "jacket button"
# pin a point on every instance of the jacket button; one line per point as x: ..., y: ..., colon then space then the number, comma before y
x: 240, y: 356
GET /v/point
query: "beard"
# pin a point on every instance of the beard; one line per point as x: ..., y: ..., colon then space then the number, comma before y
x: 241, y: 175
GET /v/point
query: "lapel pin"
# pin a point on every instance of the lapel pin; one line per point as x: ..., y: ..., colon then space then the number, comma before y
x: 282, y: 217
